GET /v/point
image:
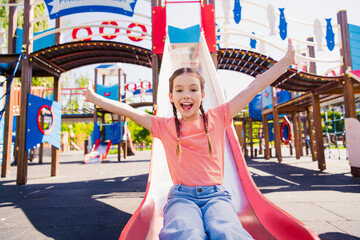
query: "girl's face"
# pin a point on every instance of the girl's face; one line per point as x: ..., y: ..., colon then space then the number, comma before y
x: 187, y: 96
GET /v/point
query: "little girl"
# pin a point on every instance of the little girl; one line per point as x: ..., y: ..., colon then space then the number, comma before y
x: 198, y: 206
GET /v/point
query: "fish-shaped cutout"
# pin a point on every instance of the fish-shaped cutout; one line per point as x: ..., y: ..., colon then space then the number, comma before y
x: 318, y: 34
x: 271, y: 18
x: 226, y: 10
x: 329, y: 35
x: 218, y: 36
x: 237, y: 11
x: 283, y: 24
x: 253, y: 42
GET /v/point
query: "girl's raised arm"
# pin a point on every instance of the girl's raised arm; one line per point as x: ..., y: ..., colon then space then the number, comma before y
x: 116, y: 107
x: 243, y: 98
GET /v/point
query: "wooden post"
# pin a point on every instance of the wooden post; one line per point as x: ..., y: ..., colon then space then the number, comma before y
x: 312, y: 55
x: 300, y: 127
x: 125, y: 142
x: 119, y: 117
x: 319, y: 142
x: 266, y: 136
x: 306, y: 134
x: 296, y: 135
x: 260, y: 141
x: 12, y: 28
x: 239, y: 133
x: 251, y: 138
x: 26, y: 75
x: 95, y: 89
x: 349, y: 97
x: 54, y: 151
x: 311, y: 133
x: 276, y: 126
x: 245, y: 140
x: 8, y: 126
x: 58, y: 23
x: 9, y: 116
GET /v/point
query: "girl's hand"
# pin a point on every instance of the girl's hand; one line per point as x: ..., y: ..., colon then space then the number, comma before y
x: 290, y: 54
x: 88, y: 93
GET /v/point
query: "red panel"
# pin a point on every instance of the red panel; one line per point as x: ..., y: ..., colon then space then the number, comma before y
x: 208, y: 24
x: 158, y: 29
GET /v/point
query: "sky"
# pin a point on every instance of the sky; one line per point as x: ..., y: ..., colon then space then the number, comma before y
x: 306, y: 11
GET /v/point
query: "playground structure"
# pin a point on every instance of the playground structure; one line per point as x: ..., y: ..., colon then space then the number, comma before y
x: 312, y: 89
x: 115, y: 132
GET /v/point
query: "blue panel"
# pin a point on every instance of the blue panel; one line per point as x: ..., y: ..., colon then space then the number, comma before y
x: 187, y: 35
x: 266, y: 98
x: 255, y: 108
x: 33, y: 133
x: 283, y: 96
x: 271, y: 132
x: 110, y: 92
x: 40, y: 43
x: 45, y: 41
x: 354, y: 38
x: 112, y: 132
x: 95, y: 134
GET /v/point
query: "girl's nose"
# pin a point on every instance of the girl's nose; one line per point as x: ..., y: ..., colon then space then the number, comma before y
x: 186, y: 95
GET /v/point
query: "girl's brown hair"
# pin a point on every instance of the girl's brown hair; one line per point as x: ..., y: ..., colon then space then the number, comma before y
x: 195, y: 73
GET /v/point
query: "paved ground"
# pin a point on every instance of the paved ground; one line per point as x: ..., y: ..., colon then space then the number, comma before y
x: 96, y: 201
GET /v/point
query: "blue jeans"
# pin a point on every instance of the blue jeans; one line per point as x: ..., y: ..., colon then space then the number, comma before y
x: 201, y: 213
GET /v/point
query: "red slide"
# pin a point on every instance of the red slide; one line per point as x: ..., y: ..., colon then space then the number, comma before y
x: 261, y: 218
x: 98, y: 153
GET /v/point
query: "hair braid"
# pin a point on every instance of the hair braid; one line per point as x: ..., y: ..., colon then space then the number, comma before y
x: 177, y: 123
x: 206, y: 130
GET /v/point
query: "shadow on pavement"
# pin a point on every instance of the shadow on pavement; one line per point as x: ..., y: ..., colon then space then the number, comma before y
x: 337, y: 236
x: 76, y: 210
x: 283, y: 177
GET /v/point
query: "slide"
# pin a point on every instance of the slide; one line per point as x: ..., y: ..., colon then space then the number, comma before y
x: 261, y: 218
x: 98, y: 153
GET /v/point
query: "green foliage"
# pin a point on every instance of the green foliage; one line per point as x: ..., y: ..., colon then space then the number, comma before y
x: 333, y: 122
x: 39, y: 11
x: 138, y: 133
x: 78, y: 128
x: 68, y: 81
x: 4, y: 15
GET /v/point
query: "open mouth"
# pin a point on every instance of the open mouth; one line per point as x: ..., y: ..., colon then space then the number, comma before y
x: 186, y: 106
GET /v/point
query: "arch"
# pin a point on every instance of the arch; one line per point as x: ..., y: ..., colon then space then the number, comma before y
x: 253, y: 64
x: 64, y: 57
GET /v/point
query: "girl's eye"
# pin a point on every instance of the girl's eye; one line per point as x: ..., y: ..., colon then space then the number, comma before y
x: 178, y: 90
x: 194, y: 90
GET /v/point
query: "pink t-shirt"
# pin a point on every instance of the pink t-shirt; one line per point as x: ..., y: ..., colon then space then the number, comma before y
x: 195, y: 167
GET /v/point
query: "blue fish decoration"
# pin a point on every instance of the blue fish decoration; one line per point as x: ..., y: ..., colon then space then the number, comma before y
x: 218, y: 36
x: 329, y: 35
x: 253, y: 42
x: 283, y: 24
x: 237, y: 11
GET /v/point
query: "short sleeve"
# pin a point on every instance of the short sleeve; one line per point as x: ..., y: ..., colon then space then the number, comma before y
x: 222, y: 112
x: 157, y: 123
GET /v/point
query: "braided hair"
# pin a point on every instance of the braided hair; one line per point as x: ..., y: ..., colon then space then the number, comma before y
x: 195, y: 73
